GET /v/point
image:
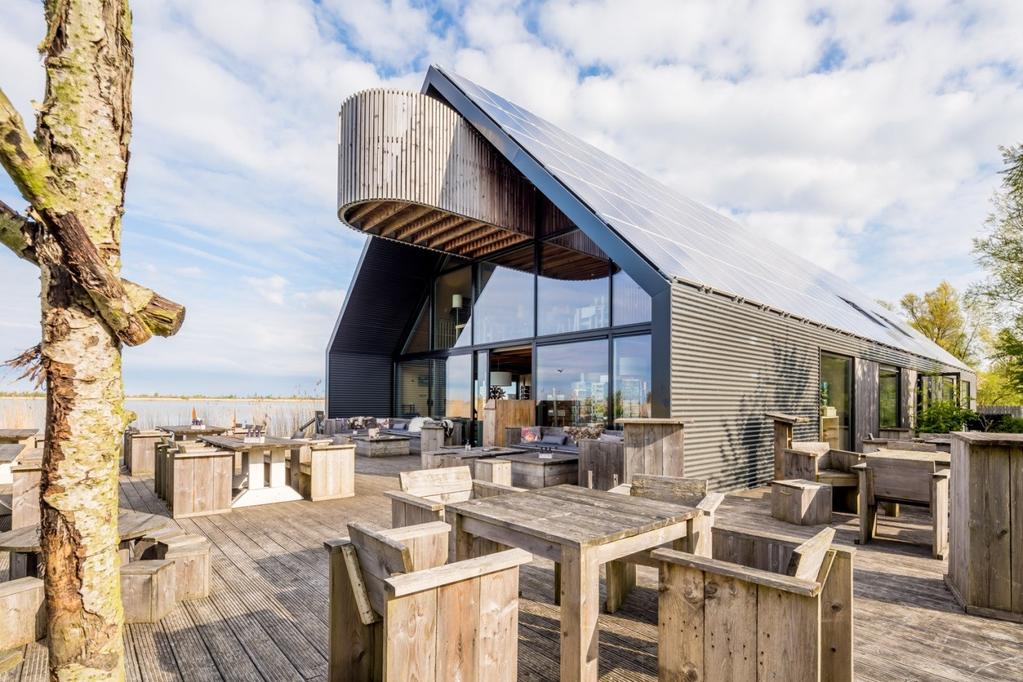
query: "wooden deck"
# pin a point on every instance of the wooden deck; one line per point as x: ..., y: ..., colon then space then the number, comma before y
x: 266, y: 617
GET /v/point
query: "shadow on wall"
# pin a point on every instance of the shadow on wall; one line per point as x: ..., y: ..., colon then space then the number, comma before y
x: 789, y: 385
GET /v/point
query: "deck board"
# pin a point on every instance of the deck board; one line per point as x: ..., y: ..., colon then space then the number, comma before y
x: 266, y: 617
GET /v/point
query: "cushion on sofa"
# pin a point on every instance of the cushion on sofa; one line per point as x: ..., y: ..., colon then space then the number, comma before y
x: 530, y: 434
x: 416, y: 425
x: 554, y: 439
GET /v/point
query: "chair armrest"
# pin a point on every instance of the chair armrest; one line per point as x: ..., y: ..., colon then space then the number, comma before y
x: 419, y: 581
x: 622, y: 489
x: 709, y: 504
x: 799, y: 463
x: 806, y: 588
x: 488, y: 489
x: 943, y: 473
x: 415, y: 501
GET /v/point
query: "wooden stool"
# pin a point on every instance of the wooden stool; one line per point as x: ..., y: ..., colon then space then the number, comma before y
x: 191, y: 557
x: 801, y: 502
x: 492, y: 470
x: 148, y: 590
x: 23, y: 610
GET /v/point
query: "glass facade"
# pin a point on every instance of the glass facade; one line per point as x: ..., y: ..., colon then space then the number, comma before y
x: 504, y: 304
x: 836, y: 400
x: 632, y: 376
x: 453, y: 309
x: 457, y: 386
x: 571, y: 383
x: 889, y: 403
x: 413, y: 388
x: 629, y: 303
x: 573, y: 291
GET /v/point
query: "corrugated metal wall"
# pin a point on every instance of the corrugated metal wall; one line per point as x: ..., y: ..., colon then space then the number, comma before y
x: 385, y: 293
x: 732, y: 362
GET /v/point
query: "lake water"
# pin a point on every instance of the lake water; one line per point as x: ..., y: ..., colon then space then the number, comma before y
x: 283, y: 417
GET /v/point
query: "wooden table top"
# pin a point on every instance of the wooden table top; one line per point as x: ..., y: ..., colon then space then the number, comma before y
x: 533, y: 456
x: 239, y: 445
x: 131, y: 525
x: 939, y: 457
x: 17, y: 434
x: 570, y: 515
x: 8, y: 451
x: 184, y: 429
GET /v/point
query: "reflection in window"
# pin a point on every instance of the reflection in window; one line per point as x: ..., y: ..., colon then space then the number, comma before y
x: 571, y: 383
x: 419, y: 339
x: 632, y: 376
x: 629, y: 303
x: 452, y: 306
x: 413, y: 379
x: 888, y: 397
x: 965, y: 397
x: 836, y: 400
x: 457, y: 386
x: 949, y: 388
x: 504, y: 308
x: 573, y: 291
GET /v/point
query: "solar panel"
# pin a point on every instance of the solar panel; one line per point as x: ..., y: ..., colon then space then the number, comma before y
x: 692, y: 242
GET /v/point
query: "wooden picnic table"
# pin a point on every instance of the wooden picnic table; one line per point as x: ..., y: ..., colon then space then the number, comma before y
x: 258, y: 488
x: 25, y: 549
x: 189, y: 432
x: 580, y: 529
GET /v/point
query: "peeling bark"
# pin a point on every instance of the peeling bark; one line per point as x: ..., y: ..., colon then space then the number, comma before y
x: 73, y: 174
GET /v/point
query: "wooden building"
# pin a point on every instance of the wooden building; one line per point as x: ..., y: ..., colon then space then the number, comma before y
x: 507, y: 256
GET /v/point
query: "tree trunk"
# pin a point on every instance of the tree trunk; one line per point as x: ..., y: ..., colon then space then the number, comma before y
x: 73, y: 174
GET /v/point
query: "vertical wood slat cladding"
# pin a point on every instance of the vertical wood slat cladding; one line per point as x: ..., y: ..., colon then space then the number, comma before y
x: 867, y: 418
x: 731, y: 362
x: 406, y: 147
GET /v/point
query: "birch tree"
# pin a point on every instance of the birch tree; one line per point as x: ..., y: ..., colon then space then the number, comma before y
x: 72, y: 173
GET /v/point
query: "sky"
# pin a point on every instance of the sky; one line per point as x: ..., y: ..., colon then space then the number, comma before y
x: 863, y: 135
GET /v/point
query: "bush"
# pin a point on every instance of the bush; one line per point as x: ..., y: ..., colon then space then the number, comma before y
x: 1011, y: 425
x: 943, y: 416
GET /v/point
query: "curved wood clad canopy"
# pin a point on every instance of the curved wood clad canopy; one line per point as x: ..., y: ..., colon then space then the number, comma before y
x: 411, y: 169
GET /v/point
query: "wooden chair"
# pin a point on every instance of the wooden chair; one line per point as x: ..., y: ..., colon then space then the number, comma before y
x: 773, y: 609
x: 691, y: 492
x: 398, y: 612
x: 424, y: 493
x: 819, y: 462
x: 906, y: 479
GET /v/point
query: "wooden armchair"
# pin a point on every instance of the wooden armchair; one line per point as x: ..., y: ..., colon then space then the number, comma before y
x: 819, y: 462
x: 691, y: 492
x: 398, y: 612
x: 771, y: 609
x: 424, y: 493
x: 905, y: 478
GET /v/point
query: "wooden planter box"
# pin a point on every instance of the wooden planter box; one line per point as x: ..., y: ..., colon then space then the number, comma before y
x: 601, y: 463
x: 653, y: 446
x: 199, y: 482
x: 528, y: 470
x: 323, y: 471
x: 985, y: 569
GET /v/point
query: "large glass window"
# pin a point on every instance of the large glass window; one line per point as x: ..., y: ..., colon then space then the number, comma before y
x: 504, y: 305
x: 888, y: 397
x: 950, y: 388
x: 629, y: 303
x: 965, y: 397
x: 452, y: 309
x: 632, y: 376
x: 573, y: 291
x: 457, y: 386
x: 836, y: 400
x: 571, y: 383
x: 413, y: 378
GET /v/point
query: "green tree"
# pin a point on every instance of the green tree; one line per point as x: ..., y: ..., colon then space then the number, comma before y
x: 941, y: 316
x: 72, y: 173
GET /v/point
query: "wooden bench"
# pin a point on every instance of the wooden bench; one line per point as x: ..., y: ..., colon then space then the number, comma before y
x: 819, y: 462
x: 399, y: 612
x: 148, y: 590
x: 23, y: 609
x: 771, y: 609
x: 691, y: 492
x: 909, y: 478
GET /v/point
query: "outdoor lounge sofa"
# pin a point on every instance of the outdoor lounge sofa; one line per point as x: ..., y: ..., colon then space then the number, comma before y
x: 398, y: 611
x: 553, y: 438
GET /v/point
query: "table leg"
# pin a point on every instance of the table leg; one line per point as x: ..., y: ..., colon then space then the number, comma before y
x: 460, y: 547
x: 580, y: 604
x: 277, y: 468
x: 252, y: 464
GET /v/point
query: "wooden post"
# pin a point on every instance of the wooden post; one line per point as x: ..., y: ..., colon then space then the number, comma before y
x: 27, y: 470
x: 782, y: 439
x: 653, y: 446
x: 431, y: 438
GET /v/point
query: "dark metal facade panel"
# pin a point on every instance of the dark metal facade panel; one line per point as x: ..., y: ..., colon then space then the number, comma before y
x: 360, y: 385
x: 390, y: 282
x: 731, y: 362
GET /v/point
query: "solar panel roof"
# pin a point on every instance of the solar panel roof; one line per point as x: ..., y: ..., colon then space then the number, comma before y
x: 692, y: 242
